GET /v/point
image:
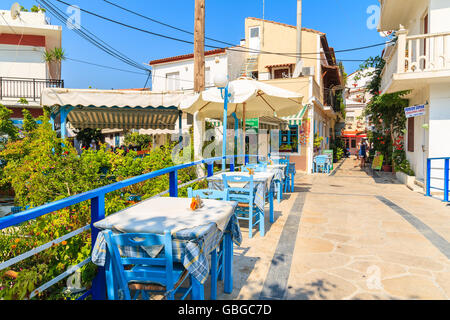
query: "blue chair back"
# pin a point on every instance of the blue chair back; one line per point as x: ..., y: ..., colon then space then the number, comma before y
x: 209, y: 194
x: 321, y: 160
x: 163, y: 271
x: 245, y: 194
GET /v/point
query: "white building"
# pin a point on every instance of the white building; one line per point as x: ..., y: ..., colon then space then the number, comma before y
x: 420, y: 61
x: 356, y: 99
x: 23, y: 72
x: 177, y: 73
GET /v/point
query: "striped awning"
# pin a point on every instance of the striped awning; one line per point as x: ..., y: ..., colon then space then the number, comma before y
x: 123, y: 118
x: 115, y: 109
x: 296, y: 119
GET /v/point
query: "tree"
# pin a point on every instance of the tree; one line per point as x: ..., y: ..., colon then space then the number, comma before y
x: 139, y: 140
x: 7, y: 128
x: 56, y: 55
x: 85, y: 136
x: 59, y: 55
x: 29, y: 123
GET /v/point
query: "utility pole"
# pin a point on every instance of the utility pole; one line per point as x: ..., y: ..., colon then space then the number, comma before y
x: 199, y: 46
x: 299, y: 29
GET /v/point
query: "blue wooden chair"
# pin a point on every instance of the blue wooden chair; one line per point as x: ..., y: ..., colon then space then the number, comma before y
x: 286, y: 180
x: 321, y: 164
x: 291, y: 173
x: 246, y: 209
x: 217, y: 255
x: 141, y: 275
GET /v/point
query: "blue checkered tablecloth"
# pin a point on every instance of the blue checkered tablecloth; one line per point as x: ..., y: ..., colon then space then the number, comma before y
x: 261, y: 185
x: 190, y: 247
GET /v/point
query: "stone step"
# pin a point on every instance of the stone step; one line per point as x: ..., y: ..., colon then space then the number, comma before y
x: 419, y: 183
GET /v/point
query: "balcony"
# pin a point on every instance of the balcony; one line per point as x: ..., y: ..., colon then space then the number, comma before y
x: 415, y: 61
x: 16, y: 88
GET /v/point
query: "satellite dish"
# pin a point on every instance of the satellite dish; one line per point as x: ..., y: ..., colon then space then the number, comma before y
x: 15, y: 10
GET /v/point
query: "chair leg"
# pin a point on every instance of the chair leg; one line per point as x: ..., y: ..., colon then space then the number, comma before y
x: 261, y: 223
x: 250, y: 221
x: 292, y: 182
x: 214, y: 266
x: 279, y: 192
x: 221, y: 262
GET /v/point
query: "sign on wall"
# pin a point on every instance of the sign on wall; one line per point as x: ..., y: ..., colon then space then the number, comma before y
x: 415, y: 111
x: 252, y: 125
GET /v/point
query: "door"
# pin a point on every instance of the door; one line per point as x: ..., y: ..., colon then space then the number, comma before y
x: 255, y: 41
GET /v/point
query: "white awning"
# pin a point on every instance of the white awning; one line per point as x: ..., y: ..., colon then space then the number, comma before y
x: 115, y: 109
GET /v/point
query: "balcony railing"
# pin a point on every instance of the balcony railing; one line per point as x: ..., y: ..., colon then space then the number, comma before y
x: 16, y: 88
x: 417, y: 54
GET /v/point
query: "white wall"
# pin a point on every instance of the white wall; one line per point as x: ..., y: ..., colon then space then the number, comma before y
x: 439, y: 16
x: 22, y: 61
x: 216, y: 63
x: 439, y: 132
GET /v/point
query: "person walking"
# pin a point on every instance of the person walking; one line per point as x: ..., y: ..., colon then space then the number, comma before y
x: 362, y: 153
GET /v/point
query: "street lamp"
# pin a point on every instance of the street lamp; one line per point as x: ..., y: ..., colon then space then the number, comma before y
x: 221, y: 82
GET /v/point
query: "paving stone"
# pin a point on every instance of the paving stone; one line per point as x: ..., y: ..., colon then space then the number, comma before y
x: 413, y: 287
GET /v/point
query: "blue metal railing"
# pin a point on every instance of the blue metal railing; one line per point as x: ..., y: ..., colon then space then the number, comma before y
x: 446, y: 177
x: 97, y: 198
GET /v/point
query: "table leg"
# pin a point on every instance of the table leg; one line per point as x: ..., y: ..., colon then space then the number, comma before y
x: 213, y: 275
x: 271, y: 203
x: 228, y: 247
x: 198, y: 291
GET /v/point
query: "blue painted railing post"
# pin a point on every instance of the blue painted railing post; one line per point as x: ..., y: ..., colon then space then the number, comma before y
x: 173, y: 183
x: 210, y: 167
x: 232, y: 165
x: 246, y: 159
x: 446, y: 176
x: 428, y: 193
x: 97, y: 214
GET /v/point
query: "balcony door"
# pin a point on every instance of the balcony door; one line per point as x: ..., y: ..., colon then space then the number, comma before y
x: 255, y: 40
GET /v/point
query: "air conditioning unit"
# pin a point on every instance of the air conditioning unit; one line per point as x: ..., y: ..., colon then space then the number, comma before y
x: 308, y: 71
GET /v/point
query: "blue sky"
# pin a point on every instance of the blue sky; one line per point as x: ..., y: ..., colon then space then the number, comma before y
x: 344, y: 22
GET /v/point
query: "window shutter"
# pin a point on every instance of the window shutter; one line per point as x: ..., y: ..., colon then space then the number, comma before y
x: 411, y: 134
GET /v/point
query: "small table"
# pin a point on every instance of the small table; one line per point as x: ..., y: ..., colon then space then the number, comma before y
x: 195, y: 233
x: 263, y: 183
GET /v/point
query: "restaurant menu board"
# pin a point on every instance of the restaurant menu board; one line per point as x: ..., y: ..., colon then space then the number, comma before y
x: 377, y: 162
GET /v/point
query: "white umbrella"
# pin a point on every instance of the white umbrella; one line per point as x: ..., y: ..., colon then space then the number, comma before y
x: 248, y: 98
x: 260, y: 100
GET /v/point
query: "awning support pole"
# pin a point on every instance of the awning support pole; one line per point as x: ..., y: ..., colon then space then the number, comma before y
x: 64, y: 113
x: 224, y: 142
x: 180, y: 126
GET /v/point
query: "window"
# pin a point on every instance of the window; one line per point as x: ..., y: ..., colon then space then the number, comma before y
x: 173, y: 81
x: 281, y: 73
x: 254, y: 32
x: 411, y: 134
x: 353, y: 143
x: 350, y: 119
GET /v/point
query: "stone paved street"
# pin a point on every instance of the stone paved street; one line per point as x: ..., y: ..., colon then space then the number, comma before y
x: 349, y: 235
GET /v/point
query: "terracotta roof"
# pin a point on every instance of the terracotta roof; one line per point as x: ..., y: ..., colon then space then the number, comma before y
x: 288, y: 25
x: 186, y: 56
x: 135, y: 89
x: 280, y: 65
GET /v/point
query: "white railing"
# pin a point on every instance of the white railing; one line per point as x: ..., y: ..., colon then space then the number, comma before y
x: 427, y: 52
x: 418, y: 53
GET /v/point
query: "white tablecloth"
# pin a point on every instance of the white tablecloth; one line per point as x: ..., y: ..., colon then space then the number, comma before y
x: 166, y: 213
